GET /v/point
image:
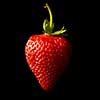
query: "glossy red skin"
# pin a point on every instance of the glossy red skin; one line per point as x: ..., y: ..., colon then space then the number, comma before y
x: 47, y: 57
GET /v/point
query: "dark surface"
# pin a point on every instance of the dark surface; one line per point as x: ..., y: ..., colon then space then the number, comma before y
x: 29, y: 17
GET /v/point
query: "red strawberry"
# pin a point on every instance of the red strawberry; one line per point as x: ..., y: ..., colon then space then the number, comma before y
x: 48, y: 54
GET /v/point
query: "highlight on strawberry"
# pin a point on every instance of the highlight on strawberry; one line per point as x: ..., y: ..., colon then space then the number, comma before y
x: 48, y: 54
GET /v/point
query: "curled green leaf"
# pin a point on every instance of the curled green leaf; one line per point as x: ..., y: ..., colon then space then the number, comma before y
x: 45, y: 24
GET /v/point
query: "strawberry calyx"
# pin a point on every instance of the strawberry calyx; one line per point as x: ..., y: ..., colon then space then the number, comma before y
x: 48, y: 26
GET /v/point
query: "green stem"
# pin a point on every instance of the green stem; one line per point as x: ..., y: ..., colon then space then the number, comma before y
x: 50, y: 13
x: 48, y: 26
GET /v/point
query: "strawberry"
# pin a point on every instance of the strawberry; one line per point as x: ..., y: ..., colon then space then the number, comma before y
x: 48, y: 54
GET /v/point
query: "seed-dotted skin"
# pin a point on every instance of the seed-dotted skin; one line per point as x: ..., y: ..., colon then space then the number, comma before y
x: 47, y: 57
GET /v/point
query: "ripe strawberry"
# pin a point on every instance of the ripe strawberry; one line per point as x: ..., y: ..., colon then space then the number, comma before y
x: 48, y: 54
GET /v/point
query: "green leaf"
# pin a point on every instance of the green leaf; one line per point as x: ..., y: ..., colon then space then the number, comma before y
x: 59, y: 31
x: 45, y: 24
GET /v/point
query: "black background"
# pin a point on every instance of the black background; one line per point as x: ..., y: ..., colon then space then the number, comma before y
x: 29, y: 16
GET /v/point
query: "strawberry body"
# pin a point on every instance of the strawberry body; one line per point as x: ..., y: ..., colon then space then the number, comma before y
x: 47, y: 57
